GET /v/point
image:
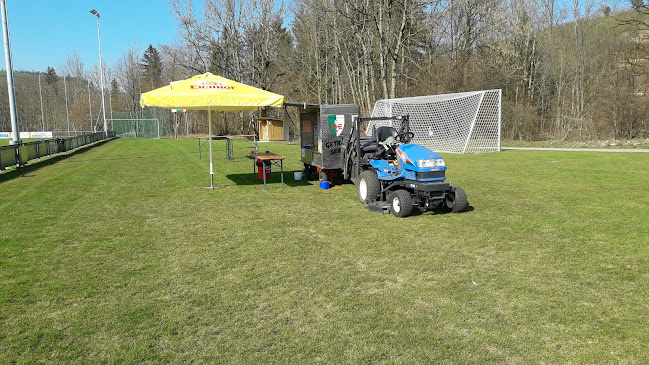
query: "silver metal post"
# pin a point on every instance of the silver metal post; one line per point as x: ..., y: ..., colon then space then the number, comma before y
x: 40, y: 94
x: 500, y: 111
x: 15, y: 132
x: 110, y: 104
x: 89, y: 104
x: 209, y: 118
x: 186, y: 127
x: 101, y: 72
x: 67, y: 112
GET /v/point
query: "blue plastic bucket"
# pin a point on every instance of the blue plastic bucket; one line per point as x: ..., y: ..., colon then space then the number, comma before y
x: 324, y: 185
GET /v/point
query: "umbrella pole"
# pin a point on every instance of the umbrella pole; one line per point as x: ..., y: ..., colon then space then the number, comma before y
x: 209, y: 128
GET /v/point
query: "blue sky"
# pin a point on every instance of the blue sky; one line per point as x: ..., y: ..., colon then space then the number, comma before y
x: 43, y: 33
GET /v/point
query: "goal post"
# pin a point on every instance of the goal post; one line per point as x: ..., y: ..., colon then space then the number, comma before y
x: 468, y: 122
x: 136, y: 128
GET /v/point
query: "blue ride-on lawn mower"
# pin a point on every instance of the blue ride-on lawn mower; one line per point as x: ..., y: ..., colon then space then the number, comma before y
x: 393, y: 175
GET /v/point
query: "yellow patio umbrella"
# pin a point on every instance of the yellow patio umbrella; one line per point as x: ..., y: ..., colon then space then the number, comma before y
x: 210, y: 92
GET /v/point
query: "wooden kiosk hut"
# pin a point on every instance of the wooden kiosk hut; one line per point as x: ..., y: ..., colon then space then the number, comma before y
x: 272, y: 129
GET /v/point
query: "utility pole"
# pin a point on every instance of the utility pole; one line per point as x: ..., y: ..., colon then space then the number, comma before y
x: 101, y: 72
x: 67, y: 112
x: 40, y: 94
x: 110, y: 102
x: 90, y: 105
x: 15, y: 132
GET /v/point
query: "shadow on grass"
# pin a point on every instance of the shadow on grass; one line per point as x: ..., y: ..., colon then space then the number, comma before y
x: 252, y: 178
x: 440, y: 211
x: 35, y: 165
x: 143, y: 157
x: 275, y: 178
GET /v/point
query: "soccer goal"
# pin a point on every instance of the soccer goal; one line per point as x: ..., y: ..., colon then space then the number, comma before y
x: 468, y: 122
x: 136, y: 128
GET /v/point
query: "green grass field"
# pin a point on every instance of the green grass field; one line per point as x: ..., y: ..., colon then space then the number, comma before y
x: 616, y: 144
x: 5, y: 142
x: 118, y: 255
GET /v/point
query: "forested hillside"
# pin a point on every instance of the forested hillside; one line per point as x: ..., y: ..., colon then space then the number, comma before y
x: 572, y: 71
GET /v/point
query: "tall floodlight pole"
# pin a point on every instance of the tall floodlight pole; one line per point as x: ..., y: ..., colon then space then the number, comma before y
x: 40, y: 94
x: 101, y: 72
x: 110, y: 102
x: 67, y: 112
x: 15, y: 132
x: 110, y: 98
x: 90, y: 105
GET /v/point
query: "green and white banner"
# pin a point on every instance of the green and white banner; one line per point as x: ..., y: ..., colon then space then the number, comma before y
x: 41, y: 135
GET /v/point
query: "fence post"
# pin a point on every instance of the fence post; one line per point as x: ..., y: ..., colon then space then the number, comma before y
x: 17, y: 145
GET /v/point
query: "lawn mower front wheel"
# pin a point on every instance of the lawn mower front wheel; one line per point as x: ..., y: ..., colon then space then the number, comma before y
x: 456, y: 200
x: 369, y: 186
x: 400, y: 203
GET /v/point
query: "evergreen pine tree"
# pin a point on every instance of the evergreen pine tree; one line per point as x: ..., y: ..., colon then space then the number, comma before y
x: 152, y: 67
x: 51, y: 78
x: 114, y: 87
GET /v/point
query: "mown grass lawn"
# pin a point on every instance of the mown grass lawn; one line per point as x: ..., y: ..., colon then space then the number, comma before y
x: 607, y: 144
x: 6, y: 142
x: 116, y: 255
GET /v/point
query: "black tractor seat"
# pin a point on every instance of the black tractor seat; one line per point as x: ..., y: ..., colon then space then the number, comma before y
x: 381, y: 134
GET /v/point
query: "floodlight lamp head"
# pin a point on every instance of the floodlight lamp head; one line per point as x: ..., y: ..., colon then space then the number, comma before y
x: 94, y: 12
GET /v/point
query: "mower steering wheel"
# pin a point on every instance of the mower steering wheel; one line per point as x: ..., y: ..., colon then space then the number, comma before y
x: 404, y: 137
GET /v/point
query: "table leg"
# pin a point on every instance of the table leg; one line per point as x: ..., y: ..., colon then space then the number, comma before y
x: 263, y: 166
x: 281, y: 168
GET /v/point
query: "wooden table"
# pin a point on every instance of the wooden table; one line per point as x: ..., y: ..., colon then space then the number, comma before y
x: 270, y: 159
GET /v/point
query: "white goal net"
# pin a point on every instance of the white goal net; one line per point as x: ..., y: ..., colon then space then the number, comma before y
x: 135, y: 128
x: 466, y: 122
